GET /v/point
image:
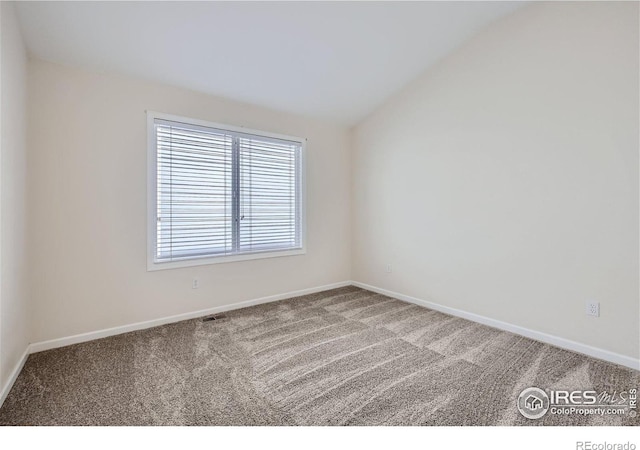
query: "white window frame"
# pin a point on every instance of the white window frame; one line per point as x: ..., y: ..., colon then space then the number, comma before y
x: 152, y: 264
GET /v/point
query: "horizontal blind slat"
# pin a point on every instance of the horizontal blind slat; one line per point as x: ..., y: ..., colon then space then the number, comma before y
x: 269, y: 199
x: 195, y: 192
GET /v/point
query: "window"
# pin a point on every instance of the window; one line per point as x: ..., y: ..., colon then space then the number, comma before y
x: 220, y: 193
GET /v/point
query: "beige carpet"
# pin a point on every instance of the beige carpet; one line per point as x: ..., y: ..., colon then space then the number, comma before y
x: 341, y: 357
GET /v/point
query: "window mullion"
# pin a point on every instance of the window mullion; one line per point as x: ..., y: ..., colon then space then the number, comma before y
x: 235, y: 190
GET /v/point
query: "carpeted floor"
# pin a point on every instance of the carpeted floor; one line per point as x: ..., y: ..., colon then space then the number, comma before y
x: 341, y: 357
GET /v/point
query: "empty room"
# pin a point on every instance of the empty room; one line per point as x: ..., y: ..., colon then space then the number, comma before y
x: 380, y: 214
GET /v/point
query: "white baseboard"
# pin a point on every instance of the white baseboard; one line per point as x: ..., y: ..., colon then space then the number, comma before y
x: 14, y: 375
x: 92, y: 335
x: 566, y: 344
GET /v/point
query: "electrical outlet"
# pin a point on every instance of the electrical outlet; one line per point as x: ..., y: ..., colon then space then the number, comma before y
x: 593, y: 309
x: 195, y: 284
x: 388, y: 268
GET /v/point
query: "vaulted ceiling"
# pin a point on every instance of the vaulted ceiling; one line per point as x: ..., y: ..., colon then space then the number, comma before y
x: 331, y: 60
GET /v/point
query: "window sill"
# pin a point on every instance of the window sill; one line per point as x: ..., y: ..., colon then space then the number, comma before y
x: 153, y: 266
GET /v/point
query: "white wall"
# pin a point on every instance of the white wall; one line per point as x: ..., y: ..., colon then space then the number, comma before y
x: 88, y: 204
x: 14, y: 301
x: 504, y: 182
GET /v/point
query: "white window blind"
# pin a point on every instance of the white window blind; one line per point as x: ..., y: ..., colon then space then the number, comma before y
x: 222, y: 192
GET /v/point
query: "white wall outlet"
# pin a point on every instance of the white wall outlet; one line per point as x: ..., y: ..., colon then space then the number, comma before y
x: 388, y: 268
x: 195, y: 284
x: 593, y: 309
